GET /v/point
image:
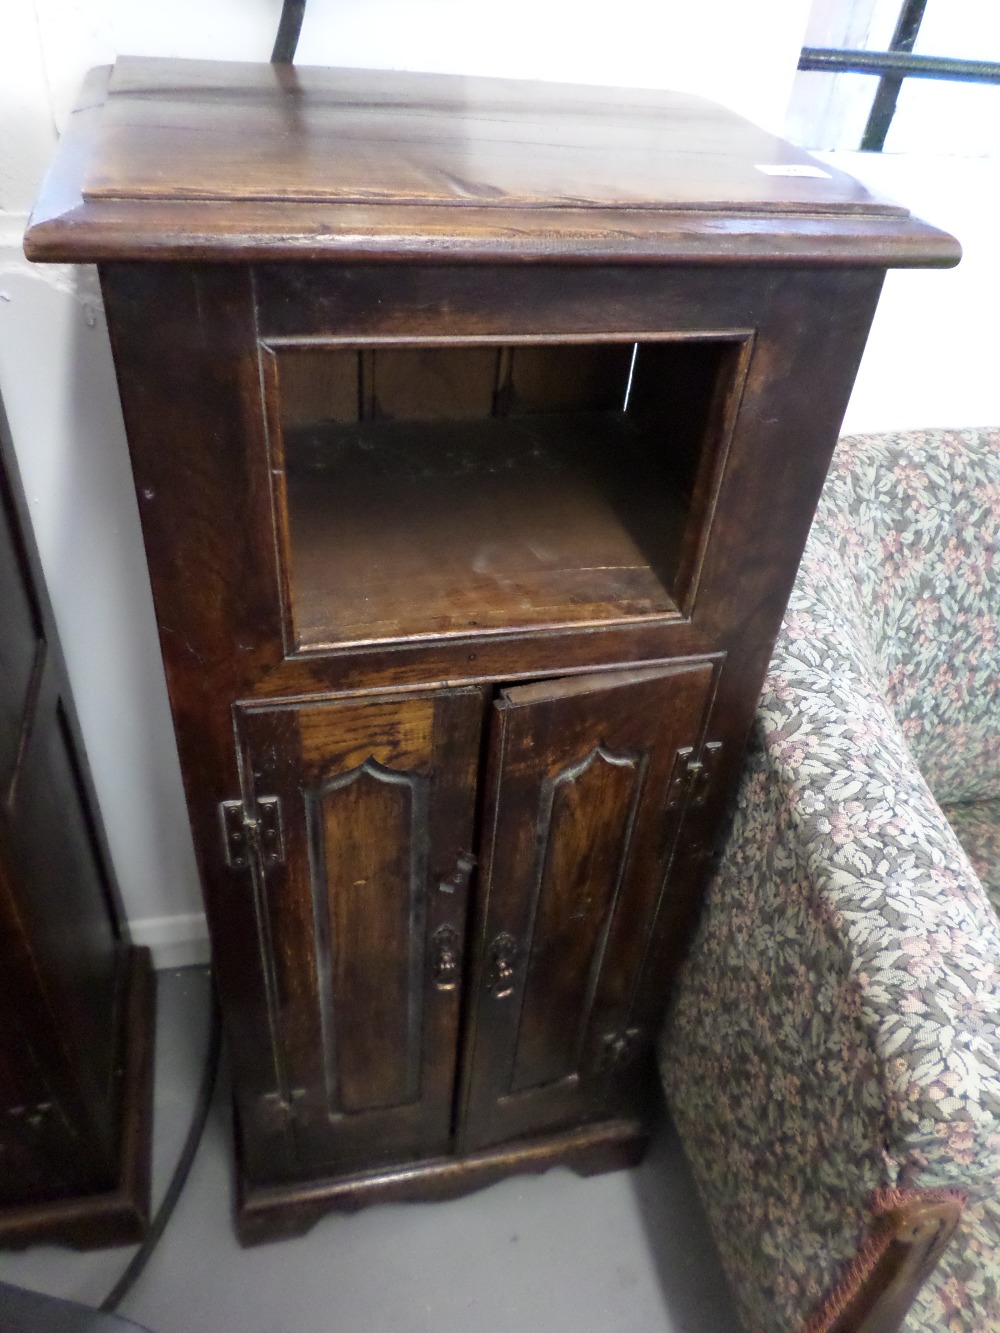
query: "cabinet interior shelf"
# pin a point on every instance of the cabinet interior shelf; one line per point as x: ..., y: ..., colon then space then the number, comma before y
x: 420, y: 504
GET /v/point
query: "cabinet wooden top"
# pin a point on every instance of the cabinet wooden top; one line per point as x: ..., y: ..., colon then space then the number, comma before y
x: 178, y: 159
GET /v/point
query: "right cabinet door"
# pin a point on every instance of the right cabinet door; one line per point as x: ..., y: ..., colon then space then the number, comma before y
x: 578, y: 846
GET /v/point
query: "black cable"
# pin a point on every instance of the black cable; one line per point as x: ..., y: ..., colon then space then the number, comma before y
x: 289, y: 27
x: 199, y: 1116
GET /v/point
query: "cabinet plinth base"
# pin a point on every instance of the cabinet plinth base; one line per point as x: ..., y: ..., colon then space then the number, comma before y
x: 120, y: 1215
x: 282, y: 1211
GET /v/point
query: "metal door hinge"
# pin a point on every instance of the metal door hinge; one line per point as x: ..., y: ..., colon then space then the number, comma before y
x: 275, y: 1112
x: 692, y: 777
x: 617, y: 1050
x: 459, y: 877
x: 243, y: 835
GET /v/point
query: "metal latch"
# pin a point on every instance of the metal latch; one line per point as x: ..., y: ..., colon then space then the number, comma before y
x: 500, y: 960
x: 242, y: 835
x: 446, y: 950
x: 692, y: 776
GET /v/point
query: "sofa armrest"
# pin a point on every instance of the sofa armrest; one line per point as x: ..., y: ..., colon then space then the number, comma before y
x: 915, y: 517
x: 920, y: 937
x: 835, y: 1026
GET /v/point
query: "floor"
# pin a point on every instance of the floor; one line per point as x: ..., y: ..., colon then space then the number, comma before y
x: 626, y: 1252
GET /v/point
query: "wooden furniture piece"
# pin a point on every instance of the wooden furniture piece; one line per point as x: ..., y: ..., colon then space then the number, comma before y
x: 476, y: 427
x: 76, y: 1000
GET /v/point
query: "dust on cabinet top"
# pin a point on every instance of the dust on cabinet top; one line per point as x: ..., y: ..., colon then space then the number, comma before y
x: 184, y: 159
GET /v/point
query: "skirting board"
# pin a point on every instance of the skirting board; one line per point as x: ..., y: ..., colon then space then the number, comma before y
x: 174, y: 941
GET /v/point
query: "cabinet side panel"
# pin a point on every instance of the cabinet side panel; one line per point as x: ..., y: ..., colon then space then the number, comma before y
x: 185, y: 353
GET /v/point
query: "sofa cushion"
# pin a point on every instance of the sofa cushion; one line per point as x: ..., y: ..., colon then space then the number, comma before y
x: 916, y: 517
x: 977, y: 826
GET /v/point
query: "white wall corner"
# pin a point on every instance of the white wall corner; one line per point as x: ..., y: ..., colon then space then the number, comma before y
x: 12, y: 227
x: 175, y: 941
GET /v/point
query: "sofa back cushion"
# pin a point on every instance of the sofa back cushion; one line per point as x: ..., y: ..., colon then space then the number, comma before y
x: 916, y: 518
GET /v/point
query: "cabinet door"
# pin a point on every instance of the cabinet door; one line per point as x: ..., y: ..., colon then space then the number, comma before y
x: 361, y: 922
x: 580, y: 828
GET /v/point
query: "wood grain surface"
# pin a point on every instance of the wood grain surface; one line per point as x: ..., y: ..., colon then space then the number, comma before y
x: 191, y: 159
x: 178, y: 129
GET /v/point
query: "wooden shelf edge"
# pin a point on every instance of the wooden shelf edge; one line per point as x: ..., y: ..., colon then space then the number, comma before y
x: 119, y: 1216
x: 133, y: 231
x: 284, y: 1211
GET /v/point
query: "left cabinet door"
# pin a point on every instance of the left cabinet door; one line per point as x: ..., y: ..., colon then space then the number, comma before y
x: 360, y: 921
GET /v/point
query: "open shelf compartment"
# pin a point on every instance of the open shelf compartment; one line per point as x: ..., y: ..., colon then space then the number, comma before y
x: 451, y: 489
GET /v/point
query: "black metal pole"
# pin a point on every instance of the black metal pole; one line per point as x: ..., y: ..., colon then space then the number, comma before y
x: 830, y: 60
x: 884, y: 102
x: 289, y: 27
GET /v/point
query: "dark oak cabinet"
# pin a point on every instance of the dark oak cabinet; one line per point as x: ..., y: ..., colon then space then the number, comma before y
x: 477, y: 429
x: 76, y: 1000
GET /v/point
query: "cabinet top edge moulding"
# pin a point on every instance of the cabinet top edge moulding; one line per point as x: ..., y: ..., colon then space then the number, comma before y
x: 170, y: 159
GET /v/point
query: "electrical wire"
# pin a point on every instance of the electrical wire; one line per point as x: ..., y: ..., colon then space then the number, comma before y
x: 199, y: 1116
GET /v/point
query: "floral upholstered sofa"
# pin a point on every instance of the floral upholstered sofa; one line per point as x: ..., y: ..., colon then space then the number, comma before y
x: 833, y: 1052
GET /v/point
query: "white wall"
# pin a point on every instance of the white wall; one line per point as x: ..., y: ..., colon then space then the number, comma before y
x: 707, y: 47
x: 933, y: 353
x: 55, y: 369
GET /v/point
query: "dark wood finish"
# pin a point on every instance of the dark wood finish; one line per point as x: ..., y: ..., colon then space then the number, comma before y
x: 378, y: 799
x: 118, y: 1215
x: 522, y: 485
x: 489, y: 525
x: 164, y: 168
x: 220, y: 131
x: 264, y: 1214
x: 75, y: 1000
x: 905, y: 1247
x: 579, y: 839
x: 437, y: 546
